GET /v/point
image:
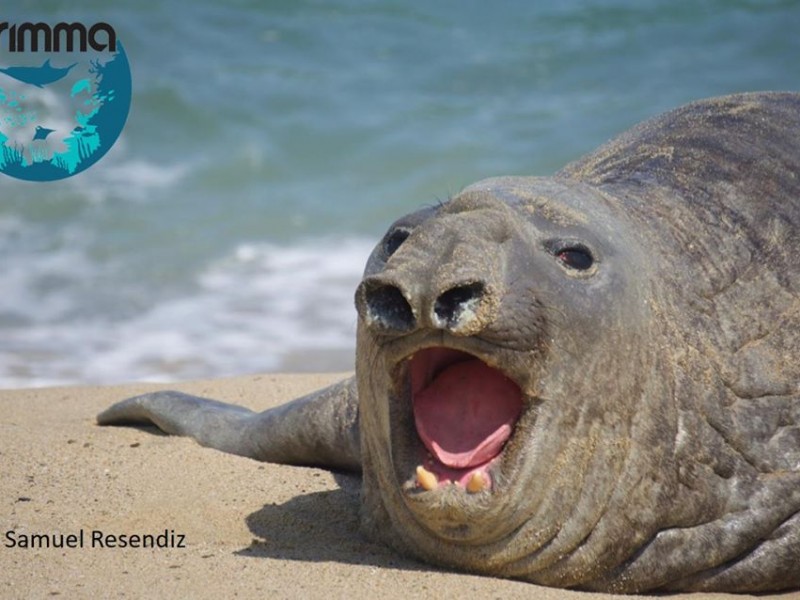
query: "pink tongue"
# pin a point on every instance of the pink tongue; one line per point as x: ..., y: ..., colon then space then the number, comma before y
x: 466, y: 414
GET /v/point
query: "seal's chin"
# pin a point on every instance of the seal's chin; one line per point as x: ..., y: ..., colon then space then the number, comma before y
x: 464, y: 412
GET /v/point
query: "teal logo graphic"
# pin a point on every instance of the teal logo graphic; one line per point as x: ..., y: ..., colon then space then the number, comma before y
x: 65, y: 93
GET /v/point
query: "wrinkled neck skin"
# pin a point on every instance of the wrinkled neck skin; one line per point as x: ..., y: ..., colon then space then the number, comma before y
x: 583, y: 485
x: 733, y: 460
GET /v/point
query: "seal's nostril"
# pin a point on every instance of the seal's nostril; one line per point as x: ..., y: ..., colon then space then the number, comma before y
x: 387, y: 308
x: 455, y: 302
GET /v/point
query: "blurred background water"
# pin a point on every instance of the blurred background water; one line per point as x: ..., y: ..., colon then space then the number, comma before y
x: 270, y: 143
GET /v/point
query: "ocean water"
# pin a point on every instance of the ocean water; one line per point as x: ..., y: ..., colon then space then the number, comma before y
x: 270, y: 143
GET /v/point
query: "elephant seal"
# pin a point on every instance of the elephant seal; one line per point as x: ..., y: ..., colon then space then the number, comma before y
x: 586, y: 381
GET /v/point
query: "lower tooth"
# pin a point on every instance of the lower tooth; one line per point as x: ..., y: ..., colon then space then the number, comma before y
x: 426, y: 479
x: 476, y: 483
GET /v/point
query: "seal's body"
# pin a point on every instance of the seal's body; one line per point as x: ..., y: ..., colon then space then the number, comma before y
x: 589, y: 380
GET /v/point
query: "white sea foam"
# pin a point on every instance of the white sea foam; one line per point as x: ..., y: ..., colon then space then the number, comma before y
x: 263, y: 307
x: 142, y: 173
x: 132, y: 179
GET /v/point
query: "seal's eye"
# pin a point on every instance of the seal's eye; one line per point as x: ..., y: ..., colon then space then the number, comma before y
x: 576, y: 257
x: 573, y: 255
x: 394, y: 240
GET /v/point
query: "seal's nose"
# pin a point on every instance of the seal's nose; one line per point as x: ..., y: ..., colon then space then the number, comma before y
x: 384, y: 307
x: 447, y: 275
x: 459, y: 303
x: 389, y: 307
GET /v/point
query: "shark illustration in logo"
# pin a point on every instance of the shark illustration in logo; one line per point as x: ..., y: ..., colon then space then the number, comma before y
x: 38, y: 76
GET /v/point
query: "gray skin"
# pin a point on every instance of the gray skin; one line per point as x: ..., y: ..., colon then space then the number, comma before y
x: 659, y: 444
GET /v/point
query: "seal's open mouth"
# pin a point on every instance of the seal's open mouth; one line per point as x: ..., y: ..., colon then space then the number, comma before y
x: 464, y: 412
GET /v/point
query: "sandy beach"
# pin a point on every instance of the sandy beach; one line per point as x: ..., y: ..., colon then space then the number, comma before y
x: 228, y: 526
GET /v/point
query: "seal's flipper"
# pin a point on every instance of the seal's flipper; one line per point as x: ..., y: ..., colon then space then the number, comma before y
x: 320, y: 429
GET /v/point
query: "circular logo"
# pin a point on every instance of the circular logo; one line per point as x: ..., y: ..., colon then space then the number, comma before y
x: 60, y: 112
